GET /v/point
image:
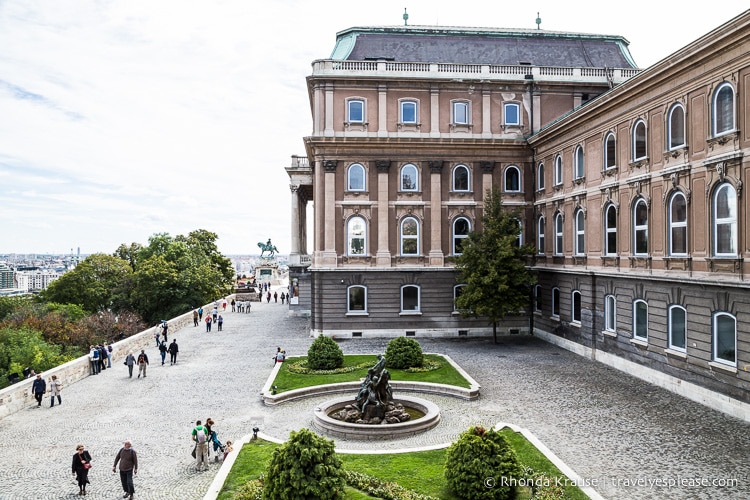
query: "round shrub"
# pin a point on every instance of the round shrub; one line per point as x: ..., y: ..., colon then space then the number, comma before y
x: 476, y: 464
x: 403, y: 353
x: 305, y: 467
x: 324, y: 354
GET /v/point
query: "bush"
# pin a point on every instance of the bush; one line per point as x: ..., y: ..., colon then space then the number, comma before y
x: 305, y: 467
x: 479, y: 456
x: 251, y: 490
x: 324, y: 354
x: 403, y: 353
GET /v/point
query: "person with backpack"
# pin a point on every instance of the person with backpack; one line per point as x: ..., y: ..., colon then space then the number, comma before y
x: 163, y: 351
x: 102, y: 357
x: 200, y: 313
x: 142, y: 364
x: 94, y: 359
x: 200, y: 436
x: 173, y: 350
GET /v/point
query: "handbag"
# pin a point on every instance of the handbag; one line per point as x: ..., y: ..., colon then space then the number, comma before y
x: 86, y: 466
x: 194, y: 448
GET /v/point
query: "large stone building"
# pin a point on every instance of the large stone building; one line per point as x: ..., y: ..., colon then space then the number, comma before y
x: 629, y: 182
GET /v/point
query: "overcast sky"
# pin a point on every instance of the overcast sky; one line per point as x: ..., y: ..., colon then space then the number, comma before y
x: 123, y: 118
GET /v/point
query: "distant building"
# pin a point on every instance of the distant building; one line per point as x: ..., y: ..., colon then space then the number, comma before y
x: 6, y: 277
x: 35, y: 280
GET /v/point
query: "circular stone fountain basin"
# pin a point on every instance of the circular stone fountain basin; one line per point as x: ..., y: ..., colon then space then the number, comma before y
x: 347, y: 430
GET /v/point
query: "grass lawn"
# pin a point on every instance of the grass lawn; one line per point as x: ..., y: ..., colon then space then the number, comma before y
x: 286, y: 380
x: 419, y: 471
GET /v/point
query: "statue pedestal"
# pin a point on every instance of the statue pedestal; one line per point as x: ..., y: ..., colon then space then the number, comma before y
x: 267, y: 269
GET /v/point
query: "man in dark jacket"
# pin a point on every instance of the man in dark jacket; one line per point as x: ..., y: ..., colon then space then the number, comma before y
x: 39, y: 387
x: 173, y: 350
x: 128, y: 466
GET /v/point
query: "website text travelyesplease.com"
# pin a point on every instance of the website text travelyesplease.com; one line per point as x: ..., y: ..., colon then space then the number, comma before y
x: 660, y: 482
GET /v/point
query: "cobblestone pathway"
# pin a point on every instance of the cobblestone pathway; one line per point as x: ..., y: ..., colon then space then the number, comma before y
x: 612, y: 429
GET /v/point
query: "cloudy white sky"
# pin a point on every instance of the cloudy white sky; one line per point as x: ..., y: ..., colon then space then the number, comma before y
x: 123, y: 118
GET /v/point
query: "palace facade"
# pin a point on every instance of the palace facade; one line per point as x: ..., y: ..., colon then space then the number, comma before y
x: 629, y: 183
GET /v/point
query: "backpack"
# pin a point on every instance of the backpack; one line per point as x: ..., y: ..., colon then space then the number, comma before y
x: 96, y: 354
x: 200, y: 435
x: 141, y: 358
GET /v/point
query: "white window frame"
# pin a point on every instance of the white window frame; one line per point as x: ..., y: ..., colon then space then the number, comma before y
x: 559, y: 228
x: 509, y: 171
x: 461, y: 237
x: 579, y: 164
x: 636, y: 333
x: 540, y: 177
x: 406, y: 102
x: 409, y: 237
x: 349, y: 183
x: 418, y: 308
x: 637, y: 140
x: 517, y: 107
x: 558, y: 170
x: 404, y: 167
x: 349, y: 309
x: 730, y: 221
x: 610, y: 313
x: 537, y: 298
x: 676, y: 138
x: 717, y: 127
x: 459, y: 108
x: 671, y: 328
x: 609, y: 230
x: 456, y: 294
x: 580, y: 232
x: 575, y: 315
x: 715, y: 340
x: 641, y: 228
x: 456, y: 169
x: 610, y: 157
x: 540, y: 229
x: 351, y: 236
x: 677, y: 225
x: 556, y: 302
x: 349, y: 104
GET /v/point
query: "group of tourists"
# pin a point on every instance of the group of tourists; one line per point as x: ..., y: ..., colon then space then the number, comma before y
x: 206, y: 438
x: 100, y: 358
x: 126, y: 457
x: 39, y: 388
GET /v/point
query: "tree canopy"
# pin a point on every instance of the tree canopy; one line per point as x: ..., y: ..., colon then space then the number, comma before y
x: 492, y: 266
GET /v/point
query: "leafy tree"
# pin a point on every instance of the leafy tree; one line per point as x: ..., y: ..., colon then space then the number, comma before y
x: 98, y: 282
x: 403, y: 352
x: 324, y: 354
x: 8, y: 305
x: 129, y: 253
x: 492, y: 266
x: 22, y: 347
x: 304, y: 468
x: 480, y: 455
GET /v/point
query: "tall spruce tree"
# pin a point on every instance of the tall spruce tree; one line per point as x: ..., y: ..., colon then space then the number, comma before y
x: 492, y: 265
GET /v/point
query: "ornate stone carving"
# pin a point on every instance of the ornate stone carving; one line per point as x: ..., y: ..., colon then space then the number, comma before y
x: 329, y: 165
x: 383, y: 166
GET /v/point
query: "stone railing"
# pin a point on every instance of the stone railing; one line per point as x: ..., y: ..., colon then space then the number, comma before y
x: 19, y: 395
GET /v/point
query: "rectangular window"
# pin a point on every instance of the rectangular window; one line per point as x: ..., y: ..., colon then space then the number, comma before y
x: 512, y: 114
x: 408, y: 112
x: 461, y: 113
x: 357, y: 299
x: 356, y: 111
x: 410, y: 299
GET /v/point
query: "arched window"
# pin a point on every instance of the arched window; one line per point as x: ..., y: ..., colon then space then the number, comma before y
x: 519, y: 237
x: 580, y: 233
x: 723, y: 109
x: 355, y: 111
x: 725, y: 221
x: 640, y: 319
x: 461, y: 228
x: 640, y: 227
x: 461, y: 178
x: 537, y: 298
x: 409, y: 236
x: 512, y: 179
x: 409, y: 178
x: 725, y: 339
x: 355, y: 177
x: 356, y: 299
x: 410, y: 299
x: 678, y: 224
x: 409, y: 112
x: 356, y: 236
x: 610, y: 313
x: 580, y: 170
x: 558, y: 234
x: 576, y: 306
x: 676, y: 127
x: 610, y: 230
x: 457, y: 290
x: 540, y: 177
x: 540, y: 235
x: 610, y: 152
x: 558, y: 170
x: 555, y: 302
x: 639, y: 140
x: 677, y: 328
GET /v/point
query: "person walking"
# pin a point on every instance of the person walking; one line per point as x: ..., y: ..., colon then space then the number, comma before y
x: 268, y: 297
x: 200, y: 314
x: 109, y: 355
x: 208, y: 323
x: 173, y: 350
x: 54, y: 388
x: 195, y: 318
x: 164, y: 328
x: 200, y: 436
x: 219, y: 321
x: 128, y: 459
x: 142, y: 364
x: 233, y: 305
x: 39, y: 387
x: 130, y: 361
x: 81, y: 466
x: 275, y: 297
x: 163, y: 351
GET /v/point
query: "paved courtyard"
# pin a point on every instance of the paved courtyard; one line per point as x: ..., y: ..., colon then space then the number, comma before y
x: 626, y: 437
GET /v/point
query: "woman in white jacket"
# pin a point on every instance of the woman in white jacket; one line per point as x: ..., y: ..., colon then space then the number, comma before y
x: 55, y: 387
